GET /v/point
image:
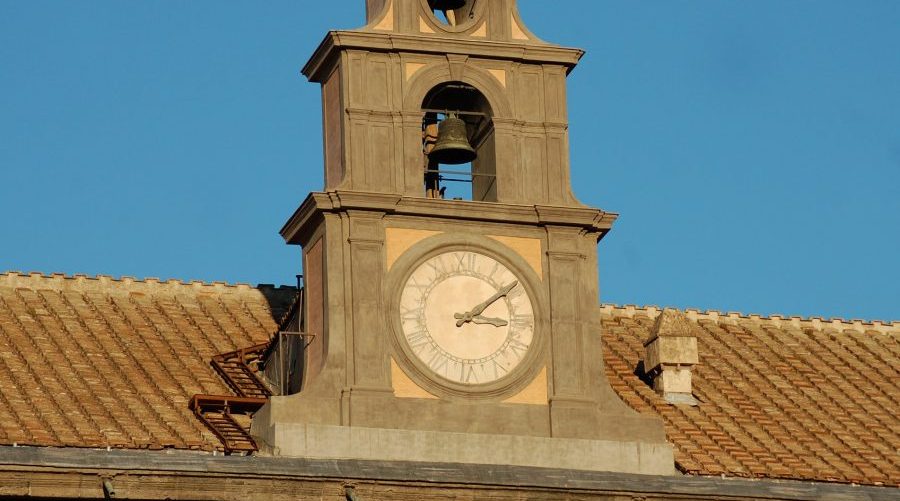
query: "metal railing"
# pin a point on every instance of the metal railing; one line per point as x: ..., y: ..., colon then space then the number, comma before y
x: 286, y: 361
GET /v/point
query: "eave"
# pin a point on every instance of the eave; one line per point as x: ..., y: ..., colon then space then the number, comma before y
x: 586, y: 218
x: 336, y: 41
x: 68, y: 473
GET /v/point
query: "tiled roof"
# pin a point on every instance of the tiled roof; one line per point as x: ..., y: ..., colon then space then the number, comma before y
x: 97, y: 362
x: 102, y: 362
x: 779, y: 397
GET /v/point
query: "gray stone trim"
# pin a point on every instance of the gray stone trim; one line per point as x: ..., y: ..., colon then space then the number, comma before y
x: 338, y: 40
x: 587, y: 218
x: 99, y: 464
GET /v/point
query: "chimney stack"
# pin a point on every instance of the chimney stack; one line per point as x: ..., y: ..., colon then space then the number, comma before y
x: 669, y: 355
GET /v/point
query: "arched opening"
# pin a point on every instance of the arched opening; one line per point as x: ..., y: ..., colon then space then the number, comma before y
x: 453, y: 12
x: 458, y: 144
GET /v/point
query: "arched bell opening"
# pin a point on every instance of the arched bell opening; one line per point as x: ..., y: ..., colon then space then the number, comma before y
x: 453, y: 12
x: 458, y: 144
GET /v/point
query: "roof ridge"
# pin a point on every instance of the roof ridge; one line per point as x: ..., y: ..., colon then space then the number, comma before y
x: 797, y: 320
x: 15, y: 274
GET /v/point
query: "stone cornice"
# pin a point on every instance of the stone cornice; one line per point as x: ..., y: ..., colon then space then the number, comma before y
x: 80, y: 473
x: 585, y: 218
x: 336, y: 41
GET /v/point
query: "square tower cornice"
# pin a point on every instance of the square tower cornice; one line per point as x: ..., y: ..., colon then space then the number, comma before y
x: 321, y: 63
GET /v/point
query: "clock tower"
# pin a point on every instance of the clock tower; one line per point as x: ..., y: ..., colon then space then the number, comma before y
x: 451, y: 308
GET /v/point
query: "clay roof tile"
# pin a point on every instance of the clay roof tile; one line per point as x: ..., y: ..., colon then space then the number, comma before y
x: 112, y: 362
x: 793, y: 399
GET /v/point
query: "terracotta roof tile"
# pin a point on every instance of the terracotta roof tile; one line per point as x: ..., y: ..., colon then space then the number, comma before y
x: 780, y: 397
x: 96, y: 362
x: 104, y: 362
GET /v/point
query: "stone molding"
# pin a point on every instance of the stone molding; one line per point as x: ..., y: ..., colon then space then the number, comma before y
x: 313, y: 441
x: 81, y: 473
x: 777, y: 321
x: 316, y: 69
x: 585, y: 218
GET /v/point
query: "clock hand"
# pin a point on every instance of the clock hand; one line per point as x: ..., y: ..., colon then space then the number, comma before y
x: 463, y: 318
x: 496, y: 322
x: 500, y: 293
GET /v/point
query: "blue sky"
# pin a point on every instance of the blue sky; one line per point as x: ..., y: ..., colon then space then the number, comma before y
x: 752, y: 147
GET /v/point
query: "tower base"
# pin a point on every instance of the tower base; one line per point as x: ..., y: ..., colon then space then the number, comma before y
x: 352, y: 442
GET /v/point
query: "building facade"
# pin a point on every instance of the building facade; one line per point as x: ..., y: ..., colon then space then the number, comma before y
x: 442, y: 347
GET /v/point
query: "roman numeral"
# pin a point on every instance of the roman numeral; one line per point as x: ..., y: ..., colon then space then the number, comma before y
x: 438, y: 265
x: 418, y: 339
x: 465, y: 261
x: 517, y: 348
x: 468, y: 374
x: 438, y: 362
x: 412, y: 283
x: 415, y: 314
x: 498, y: 369
x: 521, y: 321
x: 494, y: 271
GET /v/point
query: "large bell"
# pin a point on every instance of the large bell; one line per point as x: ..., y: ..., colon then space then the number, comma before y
x: 446, y: 5
x: 452, y: 146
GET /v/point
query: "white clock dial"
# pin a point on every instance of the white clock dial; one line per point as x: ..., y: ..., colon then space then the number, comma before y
x: 467, y: 317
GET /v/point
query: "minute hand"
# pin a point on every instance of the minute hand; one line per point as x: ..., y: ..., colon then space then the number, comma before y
x: 462, y: 318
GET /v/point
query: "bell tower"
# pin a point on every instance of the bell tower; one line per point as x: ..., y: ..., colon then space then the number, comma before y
x: 477, y: 61
x: 451, y: 310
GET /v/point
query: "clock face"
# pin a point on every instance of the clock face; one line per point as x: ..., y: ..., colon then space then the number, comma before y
x: 467, y: 317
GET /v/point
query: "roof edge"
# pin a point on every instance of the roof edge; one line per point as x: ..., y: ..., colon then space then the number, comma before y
x: 273, y: 470
x: 818, y: 323
x: 104, y: 279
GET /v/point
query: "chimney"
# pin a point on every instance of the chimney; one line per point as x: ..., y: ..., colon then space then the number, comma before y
x: 669, y: 355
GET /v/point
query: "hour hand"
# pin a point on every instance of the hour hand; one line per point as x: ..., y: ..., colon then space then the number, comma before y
x: 468, y: 316
x: 496, y: 322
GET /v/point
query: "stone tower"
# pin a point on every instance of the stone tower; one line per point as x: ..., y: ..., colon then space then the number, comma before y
x: 451, y: 330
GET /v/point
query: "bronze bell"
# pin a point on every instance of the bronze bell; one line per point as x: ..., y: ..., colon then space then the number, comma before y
x: 446, y: 5
x: 452, y: 146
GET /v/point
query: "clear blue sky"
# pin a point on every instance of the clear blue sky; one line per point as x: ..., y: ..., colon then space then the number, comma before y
x: 752, y: 147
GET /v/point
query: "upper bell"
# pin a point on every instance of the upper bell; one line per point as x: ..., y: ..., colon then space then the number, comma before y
x: 446, y: 5
x: 452, y: 146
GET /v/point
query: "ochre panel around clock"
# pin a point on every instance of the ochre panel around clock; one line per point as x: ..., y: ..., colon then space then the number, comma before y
x: 404, y: 387
x: 399, y: 240
x: 534, y: 393
x: 528, y: 248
